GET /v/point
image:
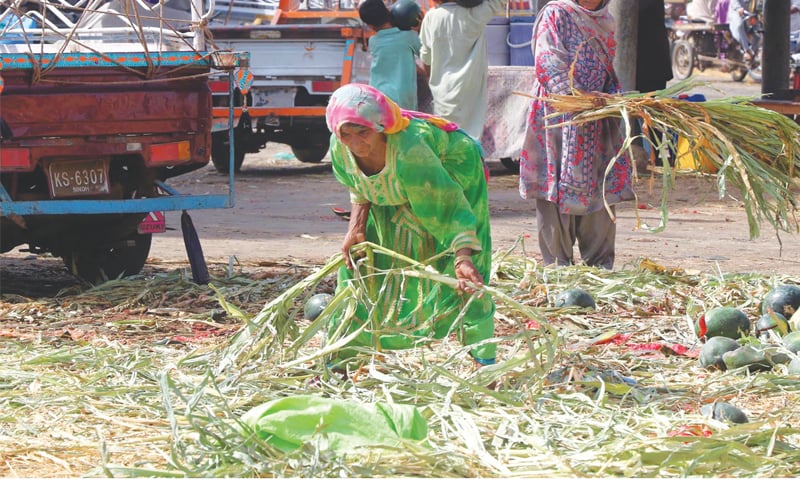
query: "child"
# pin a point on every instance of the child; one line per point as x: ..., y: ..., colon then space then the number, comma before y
x: 394, y: 69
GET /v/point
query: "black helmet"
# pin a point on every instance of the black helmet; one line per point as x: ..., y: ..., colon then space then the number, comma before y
x: 469, y: 3
x: 405, y: 14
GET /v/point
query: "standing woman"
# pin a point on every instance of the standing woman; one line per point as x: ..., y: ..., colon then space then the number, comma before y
x: 566, y: 169
x: 417, y: 187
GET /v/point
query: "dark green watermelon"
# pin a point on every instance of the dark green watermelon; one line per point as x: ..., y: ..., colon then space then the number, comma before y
x: 783, y: 299
x: 746, y: 356
x: 575, y: 297
x: 772, y: 321
x: 792, y: 342
x: 723, y: 322
x: 316, y: 304
x: 712, y: 351
x: 724, y: 412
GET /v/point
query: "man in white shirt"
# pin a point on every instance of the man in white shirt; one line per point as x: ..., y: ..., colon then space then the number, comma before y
x: 704, y: 10
x: 456, y: 59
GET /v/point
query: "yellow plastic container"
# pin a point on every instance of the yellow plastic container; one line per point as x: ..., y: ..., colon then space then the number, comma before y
x: 687, y: 159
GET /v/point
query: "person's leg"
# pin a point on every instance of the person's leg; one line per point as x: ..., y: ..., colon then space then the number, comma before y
x: 738, y: 30
x: 556, y: 234
x: 596, y: 237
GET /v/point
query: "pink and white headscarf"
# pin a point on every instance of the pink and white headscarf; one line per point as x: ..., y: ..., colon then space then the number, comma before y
x: 366, y: 106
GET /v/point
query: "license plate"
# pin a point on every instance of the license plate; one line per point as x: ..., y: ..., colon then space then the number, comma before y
x: 80, y: 178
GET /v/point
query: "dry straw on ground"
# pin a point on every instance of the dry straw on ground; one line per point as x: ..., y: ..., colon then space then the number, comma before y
x: 570, y: 398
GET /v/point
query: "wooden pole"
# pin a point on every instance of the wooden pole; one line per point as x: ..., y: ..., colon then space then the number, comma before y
x: 626, y: 14
x: 775, y: 53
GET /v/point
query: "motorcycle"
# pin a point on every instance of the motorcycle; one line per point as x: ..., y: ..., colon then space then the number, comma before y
x: 699, y: 44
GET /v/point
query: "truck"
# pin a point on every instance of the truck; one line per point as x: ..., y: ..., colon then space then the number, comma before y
x: 298, y: 56
x: 102, y: 103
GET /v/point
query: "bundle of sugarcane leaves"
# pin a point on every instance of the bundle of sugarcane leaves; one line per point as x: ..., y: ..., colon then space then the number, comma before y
x: 753, y: 148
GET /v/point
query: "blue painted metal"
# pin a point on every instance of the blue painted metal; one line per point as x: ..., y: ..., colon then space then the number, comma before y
x: 4, y: 196
x: 12, y: 61
x: 90, y: 207
x: 232, y: 147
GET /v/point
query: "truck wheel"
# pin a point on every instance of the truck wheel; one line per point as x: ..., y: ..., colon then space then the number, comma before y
x: 510, y: 163
x: 682, y: 59
x: 100, y: 264
x: 310, y: 154
x: 220, y: 153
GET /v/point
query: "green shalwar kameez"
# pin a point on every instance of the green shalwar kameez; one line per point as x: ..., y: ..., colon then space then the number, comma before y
x: 431, y: 197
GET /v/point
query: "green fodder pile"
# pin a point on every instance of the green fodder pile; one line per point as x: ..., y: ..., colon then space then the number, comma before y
x: 162, y: 370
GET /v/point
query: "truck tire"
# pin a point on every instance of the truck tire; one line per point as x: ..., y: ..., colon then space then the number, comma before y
x: 310, y: 154
x: 100, y: 264
x: 220, y: 153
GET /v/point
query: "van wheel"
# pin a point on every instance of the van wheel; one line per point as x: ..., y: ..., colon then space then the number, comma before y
x: 100, y: 264
x: 311, y: 153
x: 511, y: 164
x: 220, y: 153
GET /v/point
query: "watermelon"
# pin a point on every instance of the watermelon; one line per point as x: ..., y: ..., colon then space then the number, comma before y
x: 746, y: 356
x: 792, y: 342
x: 724, y: 412
x: 794, y: 322
x: 315, y: 305
x: 783, y: 299
x: 575, y: 297
x: 723, y: 322
x: 405, y: 14
x: 712, y: 351
x: 772, y: 321
x: 794, y: 366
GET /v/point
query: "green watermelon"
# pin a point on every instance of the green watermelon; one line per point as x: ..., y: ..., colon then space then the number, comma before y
x: 783, y: 299
x: 723, y: 322
x: 792, y: 342
x: 746, y: 356
x: 794, y: 366
x: 724, y: 412
x: 575, y: 297
x: 712, y: 351
x: 315, y: 305
x: 772, y: 321
x: 794, y: 322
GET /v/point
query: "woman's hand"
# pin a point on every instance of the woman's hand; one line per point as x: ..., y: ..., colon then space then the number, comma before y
x: 355, y: 230
x: 466, y: 272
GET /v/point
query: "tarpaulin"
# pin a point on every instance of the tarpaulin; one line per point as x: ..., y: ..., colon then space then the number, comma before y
x: 506, y: 119
x: 342, y: 425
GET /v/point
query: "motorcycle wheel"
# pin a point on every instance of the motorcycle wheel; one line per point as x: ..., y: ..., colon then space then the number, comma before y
x: 755, y: 70
x: 682, y: 59
x: 734, y: 54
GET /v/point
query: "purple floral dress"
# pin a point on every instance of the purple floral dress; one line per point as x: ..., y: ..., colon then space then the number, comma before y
x: 567, y: 165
